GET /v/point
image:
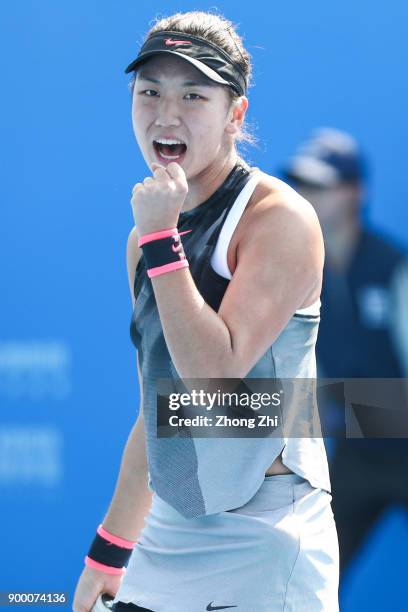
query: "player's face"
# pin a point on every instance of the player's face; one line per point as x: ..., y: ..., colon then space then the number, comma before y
x: 172, y: 100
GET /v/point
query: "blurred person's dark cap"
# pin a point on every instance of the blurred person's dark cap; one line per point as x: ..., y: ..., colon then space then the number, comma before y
x: 330, y: 157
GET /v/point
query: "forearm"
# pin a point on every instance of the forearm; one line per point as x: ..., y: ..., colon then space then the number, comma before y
x: 198, y: 339
x: 132, y: 498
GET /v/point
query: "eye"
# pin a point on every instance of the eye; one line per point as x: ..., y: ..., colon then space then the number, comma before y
x: 150, y: 93
x: 194, y: 94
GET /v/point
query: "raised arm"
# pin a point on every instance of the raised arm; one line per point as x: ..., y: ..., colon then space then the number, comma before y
x: 279, y: 270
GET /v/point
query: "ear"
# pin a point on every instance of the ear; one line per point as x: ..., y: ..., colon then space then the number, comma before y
x: 236, y: 115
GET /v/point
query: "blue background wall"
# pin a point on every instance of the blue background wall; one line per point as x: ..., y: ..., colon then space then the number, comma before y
x: 68, y: 383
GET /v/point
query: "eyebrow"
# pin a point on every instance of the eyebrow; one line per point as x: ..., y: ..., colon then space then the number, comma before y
x: 195, y: 83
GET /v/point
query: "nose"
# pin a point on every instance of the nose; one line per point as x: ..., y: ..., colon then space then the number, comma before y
x: 168, y: 113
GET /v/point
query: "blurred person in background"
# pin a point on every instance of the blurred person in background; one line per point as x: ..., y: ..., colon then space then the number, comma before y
x: 364, y: 324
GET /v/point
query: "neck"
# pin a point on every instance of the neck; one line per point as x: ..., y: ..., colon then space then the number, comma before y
x: 203, y: 185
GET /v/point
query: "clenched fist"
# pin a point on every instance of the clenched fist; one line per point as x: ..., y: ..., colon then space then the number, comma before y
x: 157, y: 202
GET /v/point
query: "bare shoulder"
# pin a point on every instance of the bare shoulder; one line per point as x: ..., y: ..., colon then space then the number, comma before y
x: 277, y: 210
x: 272, y: 194
x: 281, y: 229
x: 133, y: 254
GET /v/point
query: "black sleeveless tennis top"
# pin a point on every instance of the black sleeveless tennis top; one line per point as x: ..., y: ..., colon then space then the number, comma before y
x: 199, y: 476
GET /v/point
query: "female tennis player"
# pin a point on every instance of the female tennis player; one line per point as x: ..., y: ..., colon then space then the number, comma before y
x: 225, y: 271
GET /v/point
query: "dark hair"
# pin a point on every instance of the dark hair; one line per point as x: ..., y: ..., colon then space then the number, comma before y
x: 221, y: 32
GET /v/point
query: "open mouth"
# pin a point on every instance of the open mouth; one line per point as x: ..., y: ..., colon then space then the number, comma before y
x: 170, y: 150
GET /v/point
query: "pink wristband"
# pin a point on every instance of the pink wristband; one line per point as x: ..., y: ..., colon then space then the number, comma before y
x: 122, y: 542
x: 104, y: 568
x: 164, y: 233
x: 170, y: 231
x: 174, y: 265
